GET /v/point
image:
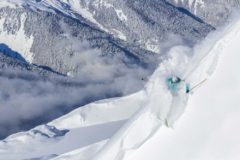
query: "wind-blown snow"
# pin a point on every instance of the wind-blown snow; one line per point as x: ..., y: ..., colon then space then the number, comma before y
x: 162, y: 105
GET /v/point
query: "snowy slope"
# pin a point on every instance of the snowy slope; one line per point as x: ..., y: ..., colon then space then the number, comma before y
x: 127, y: 143
x: 89, y: 124
x: 209, y: 129
x: 164, y: 107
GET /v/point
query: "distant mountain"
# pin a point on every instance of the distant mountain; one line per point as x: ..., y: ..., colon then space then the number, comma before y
x: 52, y: 30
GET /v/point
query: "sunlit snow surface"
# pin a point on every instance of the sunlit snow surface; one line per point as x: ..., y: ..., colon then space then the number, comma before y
x: 208, y: 129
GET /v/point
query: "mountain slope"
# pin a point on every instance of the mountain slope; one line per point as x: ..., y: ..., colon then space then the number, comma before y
x: 210, y: 122
x: 143, y: 29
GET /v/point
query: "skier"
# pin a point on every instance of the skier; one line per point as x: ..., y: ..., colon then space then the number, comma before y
x: 174, y: 82
x: 180, y: 90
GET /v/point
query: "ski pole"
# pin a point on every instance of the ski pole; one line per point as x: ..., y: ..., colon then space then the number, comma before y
x: 194, y: 87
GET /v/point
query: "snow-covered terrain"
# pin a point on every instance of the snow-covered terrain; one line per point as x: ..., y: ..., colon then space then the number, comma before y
x: 209, y: 128
x: 205, y: 131
x: 188, y: 108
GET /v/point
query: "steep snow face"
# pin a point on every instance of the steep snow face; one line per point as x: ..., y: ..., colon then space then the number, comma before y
x: 103, y: 118
x: 104, y: 111
x: 164, y: 105
x: 209, y: 128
